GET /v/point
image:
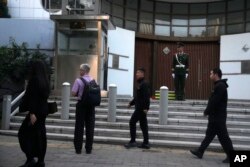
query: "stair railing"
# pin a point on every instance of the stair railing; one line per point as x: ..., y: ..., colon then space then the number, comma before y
x: 6, y: 112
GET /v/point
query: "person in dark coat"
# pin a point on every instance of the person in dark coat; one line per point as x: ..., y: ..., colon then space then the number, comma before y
x: 216, y: 111
x: 141, y: 102
x: 32, y: 133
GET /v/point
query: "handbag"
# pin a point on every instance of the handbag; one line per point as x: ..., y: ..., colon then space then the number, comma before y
x: 23, y: 106
x: 52, y: 107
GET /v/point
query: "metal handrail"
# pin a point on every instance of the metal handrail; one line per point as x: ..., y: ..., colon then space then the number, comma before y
x: 17, y: 98
x: 15, y: 101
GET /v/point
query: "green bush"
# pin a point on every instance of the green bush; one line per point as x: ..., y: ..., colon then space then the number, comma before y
x: 14, y: 61
x: 14, y: 66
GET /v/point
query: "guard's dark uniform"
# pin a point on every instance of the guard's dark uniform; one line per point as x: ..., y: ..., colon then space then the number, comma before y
x: 217, y: 115
x: 141, y: 102
x: 180, y: 69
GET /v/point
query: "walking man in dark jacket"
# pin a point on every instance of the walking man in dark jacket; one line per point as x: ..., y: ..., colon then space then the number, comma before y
x: 217, y: 114
x: 141, y: 102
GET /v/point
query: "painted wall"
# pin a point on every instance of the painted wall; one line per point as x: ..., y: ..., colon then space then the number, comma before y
x: 27, y: 9
x: 122, y: 42
x: 31, y: 31
x: 232, y: 56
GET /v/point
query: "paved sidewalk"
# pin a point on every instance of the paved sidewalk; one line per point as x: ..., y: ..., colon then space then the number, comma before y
x: 62, y: 154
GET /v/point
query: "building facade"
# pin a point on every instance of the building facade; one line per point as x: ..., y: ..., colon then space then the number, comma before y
x: 157, y: 24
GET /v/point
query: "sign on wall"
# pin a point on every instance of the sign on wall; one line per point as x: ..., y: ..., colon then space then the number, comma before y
x: 235, y: 64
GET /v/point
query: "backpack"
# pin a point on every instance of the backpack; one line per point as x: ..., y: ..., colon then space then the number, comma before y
x: 91, y: 93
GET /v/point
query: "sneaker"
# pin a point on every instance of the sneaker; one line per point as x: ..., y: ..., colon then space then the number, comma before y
x: 29, y: 163
x: 145, y: 146
x: 88, y: 151
x: 130, y: 145
x: 197, y: 153
x: 78, y: 151
x: 226, y: 160
x: 40, y: 164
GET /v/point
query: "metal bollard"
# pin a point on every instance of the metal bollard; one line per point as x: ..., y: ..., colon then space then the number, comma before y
x: 6, y: 112
x: 65, y: 100
x: 112, y: 103
x: 163, y: 115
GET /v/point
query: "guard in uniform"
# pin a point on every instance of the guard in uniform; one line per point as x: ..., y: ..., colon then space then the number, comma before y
x: 180, y: 71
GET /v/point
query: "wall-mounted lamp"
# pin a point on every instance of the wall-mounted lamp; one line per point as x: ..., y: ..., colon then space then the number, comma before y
x: 245, y: 48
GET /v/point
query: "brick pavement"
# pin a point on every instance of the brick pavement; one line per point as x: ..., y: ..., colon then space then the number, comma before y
x: 62, y: 154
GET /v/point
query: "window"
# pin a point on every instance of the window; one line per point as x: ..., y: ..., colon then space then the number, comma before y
x: 197, y: 31
x: 216, y: 7
x: 52, y: 5
x: 146, y: 17
x: 248, y: 16
x: 232, y: 29
x: 162, y: 30
x: 162, y: 19
x: 117, y: 21
x: 119, y: 2
x: 115, y: 63
x: 180, y: 20
x: 162, y: 7
x: 248, y: 27
x: 131, y: 25
x: 131, y: 4
x: 147, y: 5
x: 216, y: 19
x: 131, y: 14
x: 106, y: 7
x: 170, y: 18
x: 179, y: 31
x: 235, y: 17
x: 146, y: 28
x: 117, y: 11
x: 198, y: 8
x: 198, y: 20
x: 215, y: 30
x: 180, y: 8
x: 235, y: 5
x: 245, y: 67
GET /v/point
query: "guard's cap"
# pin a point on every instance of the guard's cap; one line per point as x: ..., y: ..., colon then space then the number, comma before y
x: 180, y: 44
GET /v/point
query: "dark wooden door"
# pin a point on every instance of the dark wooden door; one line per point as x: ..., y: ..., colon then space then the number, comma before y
x: 203, y: 57
x: 143, y: 58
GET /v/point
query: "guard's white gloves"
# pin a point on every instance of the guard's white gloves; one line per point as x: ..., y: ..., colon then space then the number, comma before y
x: 186, y: 75
x: 173, y: 75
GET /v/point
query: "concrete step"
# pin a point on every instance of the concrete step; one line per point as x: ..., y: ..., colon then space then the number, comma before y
x: 117, y: 140
x: 153, y: 135
x: 202, y: 103
x: 194, y: 112
x: 171, y: 121
x: 152, y: 127
x: 155, y: 114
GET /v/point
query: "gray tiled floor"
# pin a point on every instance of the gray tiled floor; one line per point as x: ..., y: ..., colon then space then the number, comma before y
x: 61, y: 153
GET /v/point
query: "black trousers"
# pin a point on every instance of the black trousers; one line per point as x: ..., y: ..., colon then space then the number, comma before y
x: 85, y: 116
x: 33, y: 139
x: 179, y: 83
x: 139, y: 115
x: 219, y: 129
